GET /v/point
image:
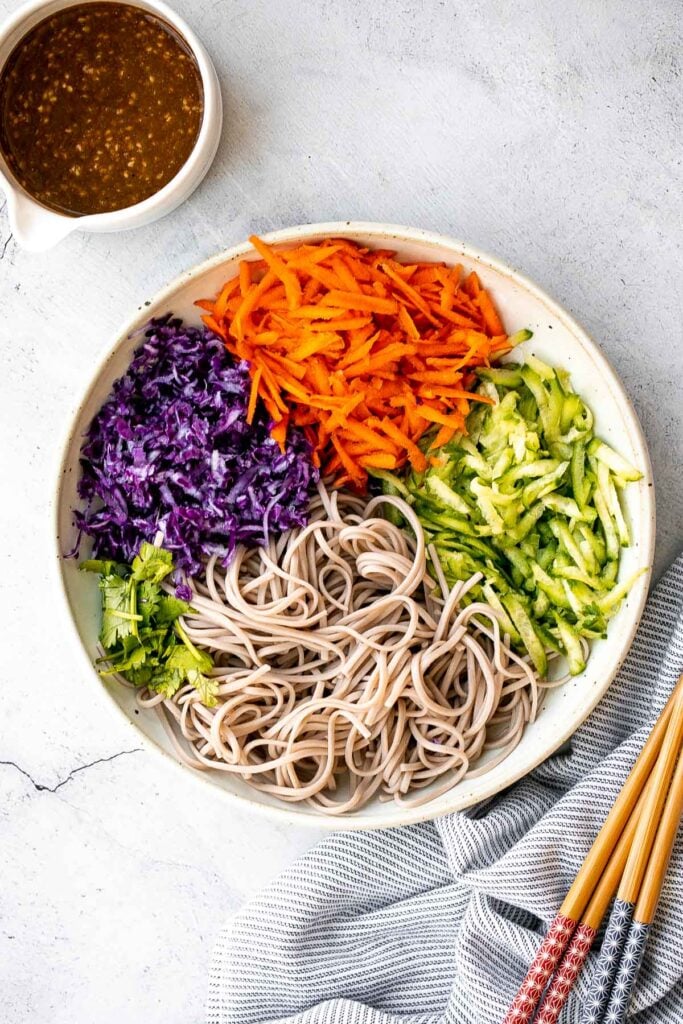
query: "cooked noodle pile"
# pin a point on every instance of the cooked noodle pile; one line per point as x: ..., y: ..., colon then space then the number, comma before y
x: 344, y: 669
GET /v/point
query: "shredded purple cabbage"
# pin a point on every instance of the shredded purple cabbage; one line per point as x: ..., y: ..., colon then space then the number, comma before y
x: 171, y: 452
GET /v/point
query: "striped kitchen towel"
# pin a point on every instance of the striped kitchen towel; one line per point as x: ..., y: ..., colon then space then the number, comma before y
x: 438, y: 922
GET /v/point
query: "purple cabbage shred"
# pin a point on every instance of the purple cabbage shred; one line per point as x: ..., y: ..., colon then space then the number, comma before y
x: 170, y: 457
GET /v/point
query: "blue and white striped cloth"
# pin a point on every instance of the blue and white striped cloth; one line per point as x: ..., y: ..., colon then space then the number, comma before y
x: 437, y: 923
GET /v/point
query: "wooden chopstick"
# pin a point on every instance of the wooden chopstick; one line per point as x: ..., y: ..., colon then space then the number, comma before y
x: 652, y: 811
x: 661, y: 851
x: 525, y: 1002
x: 593, y: 866
x: 579, y: 947
x: 626, y: 971
x: 637, y: 837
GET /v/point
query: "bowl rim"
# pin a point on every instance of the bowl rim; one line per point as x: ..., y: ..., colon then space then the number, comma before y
x: 200, y: 157
x: 401, y: 815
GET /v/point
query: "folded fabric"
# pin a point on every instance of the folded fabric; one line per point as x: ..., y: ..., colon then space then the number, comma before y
x: 438, y: 922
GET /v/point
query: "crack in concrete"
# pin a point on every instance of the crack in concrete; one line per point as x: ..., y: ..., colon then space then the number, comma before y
x: 40, y: 788
x: 4, y: 248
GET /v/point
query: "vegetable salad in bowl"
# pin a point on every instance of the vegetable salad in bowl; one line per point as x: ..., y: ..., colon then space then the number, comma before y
x: 351, y: 534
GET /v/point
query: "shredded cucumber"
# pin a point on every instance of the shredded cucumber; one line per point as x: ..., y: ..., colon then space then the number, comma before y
x: 530, y: 499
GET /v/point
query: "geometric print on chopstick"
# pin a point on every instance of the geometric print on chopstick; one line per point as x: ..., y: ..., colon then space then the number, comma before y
x: 567, y: 973
x: 627, y: 973
x: 606, y: 968
x: 547, y: 958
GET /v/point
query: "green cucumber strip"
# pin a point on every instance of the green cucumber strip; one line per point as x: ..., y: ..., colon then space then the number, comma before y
x: 591, y: 539
x: 506, y: 622
x: 569, y: 508
x: 528, y: 470
x: 572, y: 572
x: 603, y: 453
x: 611, y: 539
x: 563, y: 535
x: 502, y: 376
x: 447, y: 495
x: 553, y: 588
x: 530, y: 639
x: 577, y: 472
x: 570, y: 410
x: 541, y: 369
x: 572, y: 645
x: 392, y: 484
x: 525, y: 525
x: 544, y: 485
x: 519, y: 336
x: 609, y: 601
x: 521, y: 563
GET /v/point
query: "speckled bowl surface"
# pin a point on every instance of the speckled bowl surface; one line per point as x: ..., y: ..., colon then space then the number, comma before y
x: 558, y: 339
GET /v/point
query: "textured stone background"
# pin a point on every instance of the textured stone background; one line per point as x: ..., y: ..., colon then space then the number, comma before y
x: 546, y: 133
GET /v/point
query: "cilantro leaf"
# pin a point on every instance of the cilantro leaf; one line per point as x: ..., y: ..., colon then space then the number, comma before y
x: 116, y: 615
x: 152, y: 563
x: 140, y: 630
x: 170, y: 608
x: 167, y: 682
x: 148, y: 600
x: 105, y: 567
x: 130, y: 656
x: 194, y: 665
x: 186, y: 660
x: 206, y: 687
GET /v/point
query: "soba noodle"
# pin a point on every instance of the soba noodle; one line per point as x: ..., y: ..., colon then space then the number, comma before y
x: 344, y: 670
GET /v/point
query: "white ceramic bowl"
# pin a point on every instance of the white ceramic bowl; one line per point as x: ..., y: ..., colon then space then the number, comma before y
x: 37, y: 228
x: 558, y: 339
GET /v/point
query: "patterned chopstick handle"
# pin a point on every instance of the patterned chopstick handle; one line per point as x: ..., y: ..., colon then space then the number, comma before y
x: 547, y: 958
x: 566, y: 975
x: 610, y: 956
x: 627, y: 973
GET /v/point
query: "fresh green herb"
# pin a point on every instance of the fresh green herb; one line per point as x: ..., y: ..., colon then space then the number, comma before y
x: 141, y: 634
x: 531, y: 500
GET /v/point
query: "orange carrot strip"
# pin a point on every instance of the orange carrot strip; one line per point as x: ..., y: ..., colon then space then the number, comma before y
x: 253, y: 393
x: 326, y: 277
x: 443, y: 436
x: 414, y: 296
x: 343, y: 272
x: 408, y: 324
x: 309, y: 255
x: 458, y: 318
x: 340, y: 325
x: 434, y: 416
x: 213, y: 325
x: 378, y: 460
x: 489, y: 313
x: 443, y: 391
x: 472, y: 285
x: 354, y: 355
x: 417, y: 459
x: 362, y: 303
x: 222, y: 300
x: 320, y: 343
x: 249, y: 303
x: 371, y: 439
x: 317, y: 312
x: 245, y: 277
x: 354, y: 471
x: 280, y: 269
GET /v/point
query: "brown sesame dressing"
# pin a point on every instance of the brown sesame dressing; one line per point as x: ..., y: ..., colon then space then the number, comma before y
x: 100, y: 106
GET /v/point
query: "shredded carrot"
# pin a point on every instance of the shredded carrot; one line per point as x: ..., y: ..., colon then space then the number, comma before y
x: 253, y: 394
x: 365, y: 354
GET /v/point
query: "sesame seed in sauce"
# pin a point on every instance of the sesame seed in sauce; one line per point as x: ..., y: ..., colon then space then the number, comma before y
x: 84, y: 90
